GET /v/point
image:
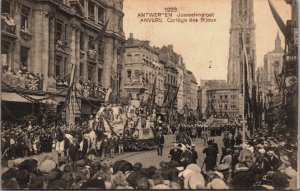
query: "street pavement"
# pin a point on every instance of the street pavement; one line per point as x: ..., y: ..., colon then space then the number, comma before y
x: 148, y: 158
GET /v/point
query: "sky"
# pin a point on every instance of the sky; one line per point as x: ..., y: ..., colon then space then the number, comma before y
x: 199, y: 43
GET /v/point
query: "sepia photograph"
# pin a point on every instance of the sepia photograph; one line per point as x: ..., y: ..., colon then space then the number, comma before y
x: 149, y: 95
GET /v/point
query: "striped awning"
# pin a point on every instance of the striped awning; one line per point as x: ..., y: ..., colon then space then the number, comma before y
x: 14, y: 97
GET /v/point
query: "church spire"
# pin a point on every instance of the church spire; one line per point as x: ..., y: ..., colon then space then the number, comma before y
x: 277, y: 42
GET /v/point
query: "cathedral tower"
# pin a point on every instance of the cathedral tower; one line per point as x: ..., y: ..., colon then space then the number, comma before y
x: 242, y: 23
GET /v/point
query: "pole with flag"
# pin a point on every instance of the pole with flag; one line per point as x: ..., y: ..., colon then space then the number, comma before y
x: 244, y: 87
x: 100, y: 36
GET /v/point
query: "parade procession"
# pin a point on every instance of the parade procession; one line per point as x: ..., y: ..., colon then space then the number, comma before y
x: 149, y: 94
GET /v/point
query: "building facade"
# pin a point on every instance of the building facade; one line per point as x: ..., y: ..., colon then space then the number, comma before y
x: 273, y: 65
x: 180, y: 95
x: 42, y: 40
x: 223, y: 101
x: 194, y: 89
x: 170, y: 60
x: 144, y: 74
x: 242, y: 27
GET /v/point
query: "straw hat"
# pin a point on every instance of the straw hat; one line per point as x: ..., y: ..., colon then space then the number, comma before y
x: 194, y: 180
x: 217, y: 184
x: 285, y: 160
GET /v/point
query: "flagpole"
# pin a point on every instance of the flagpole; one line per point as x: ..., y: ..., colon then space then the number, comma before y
x: 244, y: 92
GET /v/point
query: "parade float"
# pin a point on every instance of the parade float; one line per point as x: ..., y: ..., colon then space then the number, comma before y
x: 136, y: 129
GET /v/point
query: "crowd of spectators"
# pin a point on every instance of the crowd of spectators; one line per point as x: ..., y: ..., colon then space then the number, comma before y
x: 263, y: 162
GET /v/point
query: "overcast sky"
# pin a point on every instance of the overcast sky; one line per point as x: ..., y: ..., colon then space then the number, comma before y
x: 201, y: 42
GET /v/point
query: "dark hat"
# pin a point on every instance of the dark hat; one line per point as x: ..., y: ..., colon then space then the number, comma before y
x: 80, y: 163
x: 96, y: 165
x: 137, y: 165
x: 10, y: 173
x: 54, y: 174
x: 62, y: 160
x: 28, y: 164
x: 93, y: 184
x: 68, y: 168
x: 122, y: 165
x: 279, y: 181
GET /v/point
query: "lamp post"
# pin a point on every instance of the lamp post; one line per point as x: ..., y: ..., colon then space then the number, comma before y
x: 269, y: 111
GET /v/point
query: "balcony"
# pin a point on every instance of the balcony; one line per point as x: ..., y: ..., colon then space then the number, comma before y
x: 91, y: 17
x: 92, y: 90
x: 91, y: 54
x: 8, y: 25
x: 22, y: 79
x: 25, y: 34
x: 62, y: 81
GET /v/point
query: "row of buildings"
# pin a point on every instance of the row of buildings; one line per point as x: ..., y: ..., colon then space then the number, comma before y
x: 42, y: 41
x: 158, y: 73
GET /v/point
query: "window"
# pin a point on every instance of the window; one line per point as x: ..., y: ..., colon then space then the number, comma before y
x: 65, y: 66
x: 5, y: 7
x: 91, y: 72
x: 120, y: 24
x: 101, y: 13
x: 101, y: 50
x: 221, y: 106
x: 57, y: 66
x: 100, y: 71
x: 129, y: 58
x: 59, y: 31
x: 4, y: 55
x: 81, y: 69
x: 24, y: 19
x: 225, y: 106
x: 248, y: 39
x: 81, y: 41
x: 225, y: 97
x: 221, y: 97
x: 129, y: 73
x: 91, y: 43
x: 91, y: 9
x: 24, y: 56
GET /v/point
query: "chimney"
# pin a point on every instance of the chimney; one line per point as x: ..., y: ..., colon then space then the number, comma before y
x: 170, y: 46
x: 131, y: 35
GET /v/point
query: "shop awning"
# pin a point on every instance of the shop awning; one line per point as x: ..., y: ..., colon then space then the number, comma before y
x: 44, y: 99
x: 14, y: 97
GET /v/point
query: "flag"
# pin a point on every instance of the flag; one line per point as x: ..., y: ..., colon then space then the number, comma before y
x: 100, y: 37
x: 278, y: 20
x: 166, y: 96
x: 151, y: 99
x: 290, y: 81
x: 72, y: 75
x: 107, y: 94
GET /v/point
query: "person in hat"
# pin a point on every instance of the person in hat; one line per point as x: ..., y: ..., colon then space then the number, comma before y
x: 210, y: 158
x: 104, y: 147
x: 186, y: 157
x: 175, y: 153
x: 285, y: 163
x: 120, y: 143
x: 160, y: 143
x: 272, y: 163
x: 194, y: 154
x: 74, y: 150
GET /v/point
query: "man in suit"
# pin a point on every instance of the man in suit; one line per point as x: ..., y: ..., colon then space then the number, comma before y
x: 210, y: 159
x: 161, y: 142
